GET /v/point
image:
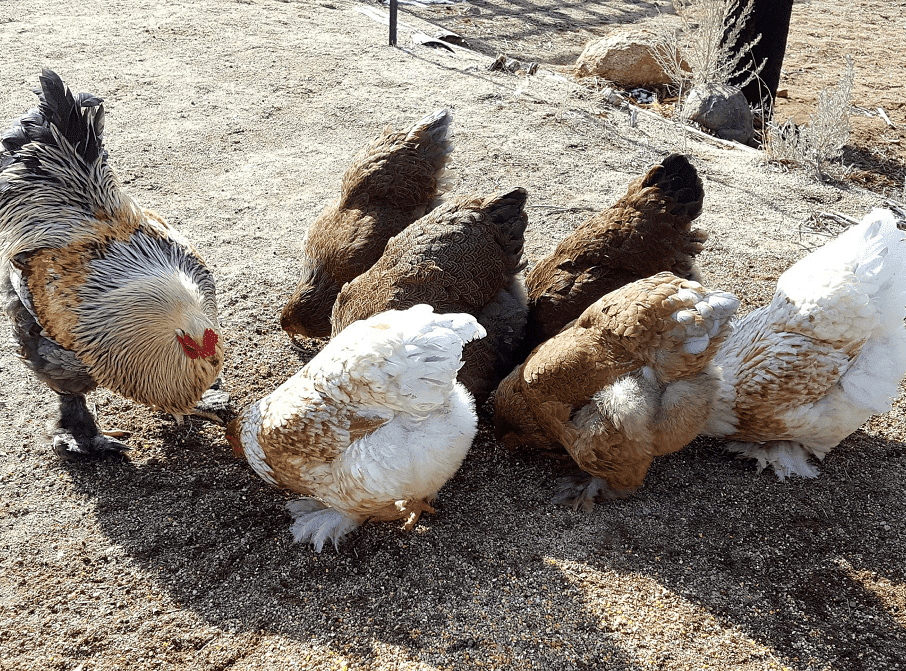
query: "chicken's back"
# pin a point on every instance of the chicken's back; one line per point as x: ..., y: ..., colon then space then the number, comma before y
x: 464, y: 256
x: 649, y: 230
x: 390, y: 184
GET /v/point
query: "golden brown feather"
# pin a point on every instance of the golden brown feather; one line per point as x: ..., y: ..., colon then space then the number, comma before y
x: 465, y: 256
x: 629, y: 380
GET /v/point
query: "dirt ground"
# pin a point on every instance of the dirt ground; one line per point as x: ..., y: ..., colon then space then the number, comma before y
x: 235, y: 119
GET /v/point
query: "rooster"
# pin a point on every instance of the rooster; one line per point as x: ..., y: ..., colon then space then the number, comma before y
x: 371, y: 428
x: 629, y: 380
x: 649, y: 230
x: 464, y: 256
x: 390, y: 184
x: 802, y: 373
x: 99, y: 292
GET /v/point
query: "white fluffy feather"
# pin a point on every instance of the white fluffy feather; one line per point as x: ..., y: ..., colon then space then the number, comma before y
x: 826, y: 354
x: 399, y: 368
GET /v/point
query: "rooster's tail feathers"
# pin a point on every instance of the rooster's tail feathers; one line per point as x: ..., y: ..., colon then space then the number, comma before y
x: 79, y: 120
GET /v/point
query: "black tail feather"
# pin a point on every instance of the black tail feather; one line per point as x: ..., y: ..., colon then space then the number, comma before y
x: 679, y: 178
x: 79, y: 119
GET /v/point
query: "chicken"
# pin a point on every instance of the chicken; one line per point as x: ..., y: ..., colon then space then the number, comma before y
x: 390, y: 184
x: 828, y: 352
x: 629, y: 380
x: 647, y: 231
x: 371, y: 428
x: 99, y: 292
x: 464, y: 256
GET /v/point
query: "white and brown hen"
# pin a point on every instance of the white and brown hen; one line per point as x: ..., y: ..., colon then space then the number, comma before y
x: 99, y: 292
x: 629, y: 380
x: 802, y: 373
x: 464, y: 256
x: 371, y: 428
x: 390, y: 184
x: 649, y: 230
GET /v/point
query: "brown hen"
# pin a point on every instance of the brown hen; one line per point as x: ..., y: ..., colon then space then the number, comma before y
x: 629, y: 380
x: 464, y: 256
x: 647, y: 231
x: 390, y: 184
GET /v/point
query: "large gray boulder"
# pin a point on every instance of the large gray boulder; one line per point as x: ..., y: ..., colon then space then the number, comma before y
x: 721, y: 108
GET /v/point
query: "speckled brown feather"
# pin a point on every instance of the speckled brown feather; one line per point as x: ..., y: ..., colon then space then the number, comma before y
x: 458, y: 258
x: 647, y: 231
x: 390, y: 184
x: 553, y: 396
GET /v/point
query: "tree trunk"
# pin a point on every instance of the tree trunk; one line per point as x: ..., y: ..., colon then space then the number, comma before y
x: 771, y: 20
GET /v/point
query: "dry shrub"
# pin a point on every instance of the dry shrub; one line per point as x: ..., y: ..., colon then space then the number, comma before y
x: 825, y: 135
x: 699, y: 50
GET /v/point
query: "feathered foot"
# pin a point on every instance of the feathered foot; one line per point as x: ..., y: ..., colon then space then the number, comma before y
x: 315, y: 523
x: 76, y: 434
x: 786, y: 457
x: 581, y: 492
x: 415, y: 510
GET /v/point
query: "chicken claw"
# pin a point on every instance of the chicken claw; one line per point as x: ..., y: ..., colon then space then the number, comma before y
x: 581, y: 492
x: 72, y: 448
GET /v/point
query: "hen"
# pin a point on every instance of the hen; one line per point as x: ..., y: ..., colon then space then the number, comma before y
x: 464, y: 256
x: 390, y: 184
x: 649, y: 230
x: 97, y: 290
x: 371, y: 428
x: 829, y: 351
x: 629, y: 380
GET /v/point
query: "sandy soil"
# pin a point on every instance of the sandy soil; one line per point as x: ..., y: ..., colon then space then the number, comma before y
x: 235, y: 120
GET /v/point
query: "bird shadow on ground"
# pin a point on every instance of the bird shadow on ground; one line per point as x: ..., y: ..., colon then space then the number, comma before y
x: 736, y: 543
x: 216, y: 539
x: 704, y: 526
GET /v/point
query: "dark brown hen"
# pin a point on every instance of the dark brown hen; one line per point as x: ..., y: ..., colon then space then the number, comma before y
x: 390, y: 184
x: 464, y: 256
x: 649, y: 230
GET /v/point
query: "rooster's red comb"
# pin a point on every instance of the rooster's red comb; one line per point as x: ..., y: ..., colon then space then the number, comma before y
x: 193, y: 350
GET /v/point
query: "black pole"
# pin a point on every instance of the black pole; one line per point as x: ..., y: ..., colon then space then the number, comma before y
x: 771, y: 20
x: 392, y: 23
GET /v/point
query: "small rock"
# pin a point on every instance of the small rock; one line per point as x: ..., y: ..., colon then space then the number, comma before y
x: 625, y: 57
x: 721, y: 108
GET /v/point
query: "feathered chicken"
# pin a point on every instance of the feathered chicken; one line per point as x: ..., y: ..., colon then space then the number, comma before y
x: 390, y: 184
x: 629, y: 380
x: 98, y: 291
x: 371, y: 428
x: 802, y: 373
x: 649, y: 230
x: 464, y: 256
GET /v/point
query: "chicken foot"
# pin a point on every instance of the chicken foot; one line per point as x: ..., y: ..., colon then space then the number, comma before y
x: 582, y: 491
x: 76, y: 434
